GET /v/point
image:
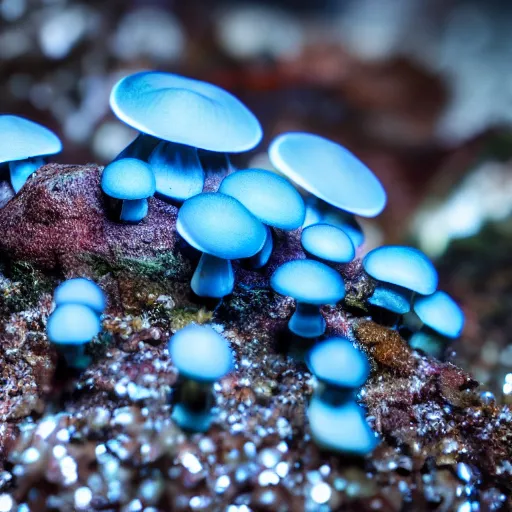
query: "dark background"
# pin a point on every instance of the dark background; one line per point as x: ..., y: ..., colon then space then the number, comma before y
x: 421, y: 90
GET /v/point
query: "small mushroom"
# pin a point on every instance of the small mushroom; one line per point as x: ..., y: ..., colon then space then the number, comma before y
x: 127, y: 184
x: 185, y: 114
x: 327, y: 243
x: 442, y: 319
x: 223, y: 230
x: 312, y: 284
x: 202, y: 357
x: 337, y: 423
x: 80, y: 291
x: 338, y: 183
x: 71, y: 327
x: 401, y: 272
x: 23, y: 144
x: 271, y: 199
x: 341, y: 429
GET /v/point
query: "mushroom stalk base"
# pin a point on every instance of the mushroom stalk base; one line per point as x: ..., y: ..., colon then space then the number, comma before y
x: 430, y: 343
x: 75, y: 356
x: 320, y: 212
x: 307, y: 321
x: 21, y: 170
x: 133, y: 210
x: 260, y: 259
x: 213, y: 277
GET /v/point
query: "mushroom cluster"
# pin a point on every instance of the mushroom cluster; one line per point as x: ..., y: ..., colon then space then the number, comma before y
x: 76, y: 319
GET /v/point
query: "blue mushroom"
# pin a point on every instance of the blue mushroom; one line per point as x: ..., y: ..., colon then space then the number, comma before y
x: 338, y: 364
x: 442, y: 319
x: 23, y: 144
x: 127, y: 184
x: 339, y: 184
x: 185, y: 114
x: 202, y: 357
x: 223, y: 230
x: 271, y: 199
x: 80, y: 291
x: 341, y: 429
x: 312, y: 284
x: 336, y: 421
x: 71, y: 327
x: 401, y: 272
x: 327, y: 243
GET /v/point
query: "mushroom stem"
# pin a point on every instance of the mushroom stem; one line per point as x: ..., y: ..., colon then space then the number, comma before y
x: 22, y: 169
x: 213, y: 162
x: 307, y: 321
x: 334, y: 395
x: 75, y: 356
x: 133, y: 210
x: 320, y: 212
x: 193, y: 403
x: 261, y: 258
x: 213, y: 277
x: 431, y: 343
x: 140, y: 148
x: 178, y: 171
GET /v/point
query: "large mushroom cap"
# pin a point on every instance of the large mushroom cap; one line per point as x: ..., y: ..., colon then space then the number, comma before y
x: 200, y: 353
x: 271, y: 198
x: 337, y: 362
x: 185, y: 111
x: 308, y: 281
x: 402, y: 266
x: 441, y: 313
x: 342, y: 429
x: 328, y: 243
x: 80, y: 291
x: 72, y: 324
x: 329, y: 172
x: 219, y: 225
x: 128, y: 179
x: 21, y: 139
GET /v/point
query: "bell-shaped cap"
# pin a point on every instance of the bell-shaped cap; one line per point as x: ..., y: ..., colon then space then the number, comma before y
x: 219, y: 225
x: 308, y: 281
x: 329, y: 172
x: 72, y: 324
x: 440, y: 313
x: 80, y: 291
x: 21, y: 139
x: 402, y: 266
x: 200, y: 353
x: 328, y: 243
x: 341, y: 429
x: 185, y: 111
x: 128, y: 179
x: 338, y: 363
x: 269, y: 197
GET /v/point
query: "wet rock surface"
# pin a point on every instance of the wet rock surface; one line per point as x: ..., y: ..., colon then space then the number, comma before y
x: 104, y: 440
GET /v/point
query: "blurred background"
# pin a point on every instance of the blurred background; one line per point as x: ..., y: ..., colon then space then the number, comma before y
x: 420, y: 90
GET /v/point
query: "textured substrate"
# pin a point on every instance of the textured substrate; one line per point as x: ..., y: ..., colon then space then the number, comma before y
x: 104, y: 440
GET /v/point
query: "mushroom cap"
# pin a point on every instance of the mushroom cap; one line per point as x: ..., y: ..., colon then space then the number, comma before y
x: 21, y: 139
x: 200, y: 353
x: 185, y: 111
x: 128, y: 179
x: 392, y: 299
x: 328, y: 243
x: 337, y: 362
x: 80, y: 291
x: 220, y: 225
x: 269, y: 197
x: 342, y: 429
x: 328, y: 171
x: 72, y: 324
x: 308, y: 281
x: 402, y: 266
x: 441, y: 313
